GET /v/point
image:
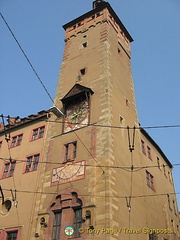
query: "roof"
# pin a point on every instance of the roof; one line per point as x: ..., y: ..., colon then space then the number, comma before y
x: 18, y: 122
x: 76, y: 90
x: 156, y: 146
x: 96, y: 10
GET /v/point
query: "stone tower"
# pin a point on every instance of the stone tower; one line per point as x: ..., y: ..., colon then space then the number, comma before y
x: 94, y: 178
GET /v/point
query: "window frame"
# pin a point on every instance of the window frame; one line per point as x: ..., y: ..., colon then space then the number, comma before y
x: 149, y: 152
x: 169, y: 202
x: 65, y: 203
x: 77, y: 223
x: 12, y: 237
x: 37, y: 133
x: 70, y: 151
x: 8, y: 169
x: 174, y: 207
x: 32, y: 163
x: 143, y: 148
x: 150, y: 180
x: 164, y: 170
x: 158, y: 162
x: 57, y: 225
x: 16, y: 140
x: 4, y: 233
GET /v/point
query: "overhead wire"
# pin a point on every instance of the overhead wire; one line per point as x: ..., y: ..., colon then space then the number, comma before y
x: 26, y: 57
x: 95, y: 195
x: 136, y: 168
x: 121, y: 127
x: 97, y: 125
x: 89, y: 151
x: 109, y: 126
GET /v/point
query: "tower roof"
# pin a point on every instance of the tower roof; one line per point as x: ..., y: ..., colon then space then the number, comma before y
x: 99, y: 5
x: 76, y: 90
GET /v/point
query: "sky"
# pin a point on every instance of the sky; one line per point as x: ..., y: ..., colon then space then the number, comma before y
x: 154, y: 26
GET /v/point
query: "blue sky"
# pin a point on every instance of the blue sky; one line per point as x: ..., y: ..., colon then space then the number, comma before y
x: 154, y: 26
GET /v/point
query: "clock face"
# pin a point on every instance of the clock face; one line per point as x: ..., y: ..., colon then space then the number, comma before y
x: 77, y: 116
x: 68, y: 173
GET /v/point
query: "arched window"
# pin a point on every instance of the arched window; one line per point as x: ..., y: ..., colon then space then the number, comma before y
x: 65, y: 210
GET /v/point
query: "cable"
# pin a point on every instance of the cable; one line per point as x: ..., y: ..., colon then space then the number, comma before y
x: 97, y: 166
x: 120, y: 127
x: 27, y: 58
x: 95, y: 195
x: 107, y: 126
x: 88, y: 151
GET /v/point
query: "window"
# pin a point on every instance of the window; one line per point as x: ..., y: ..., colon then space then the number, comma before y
x: 65, y: 207
x: 149, y: 152
x: 127, y: 103
x: 38, y: 133
x: 169, y: 202
x: 169, y: 175
x: 172, y: 225
x: 57, y: 225
x: 12, y: 235
x: 150, y: 180
x: 70, y: 151
x: 164, y: 169
x: 121, y: 119
x: 16, y: 141
x: 9, y: 169
x: 158, y: 163
x: 174, y: 206
x: 82, y: 72
x: 32, y: 163
x: 77, y: 221
x: 119, y: 51
x: 143, y: 147
x: 177, y: 230
x: 84, y: 45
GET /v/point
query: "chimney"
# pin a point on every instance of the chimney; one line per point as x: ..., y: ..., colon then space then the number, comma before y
x: 12, y: 121
x: 98, y: 3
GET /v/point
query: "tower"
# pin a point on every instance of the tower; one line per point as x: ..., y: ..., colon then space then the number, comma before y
x: 94, y: 184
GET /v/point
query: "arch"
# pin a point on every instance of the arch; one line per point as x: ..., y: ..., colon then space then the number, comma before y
x: 64, y: 210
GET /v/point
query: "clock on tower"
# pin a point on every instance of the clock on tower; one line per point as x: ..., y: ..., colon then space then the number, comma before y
x: 77, y: 108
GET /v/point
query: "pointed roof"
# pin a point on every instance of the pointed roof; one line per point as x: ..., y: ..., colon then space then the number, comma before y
x: 76, y: 91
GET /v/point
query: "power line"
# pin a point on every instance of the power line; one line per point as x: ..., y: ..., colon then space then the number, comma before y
x: 121, y: 127
x: 89, y: 152
x: 106, y: 126
x: 128, y: 168
x: 25, y: 55
x: 94, y: 195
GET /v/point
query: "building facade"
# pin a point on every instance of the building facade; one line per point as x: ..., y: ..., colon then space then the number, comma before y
x: 102, y: 176
x: 22, y: 146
